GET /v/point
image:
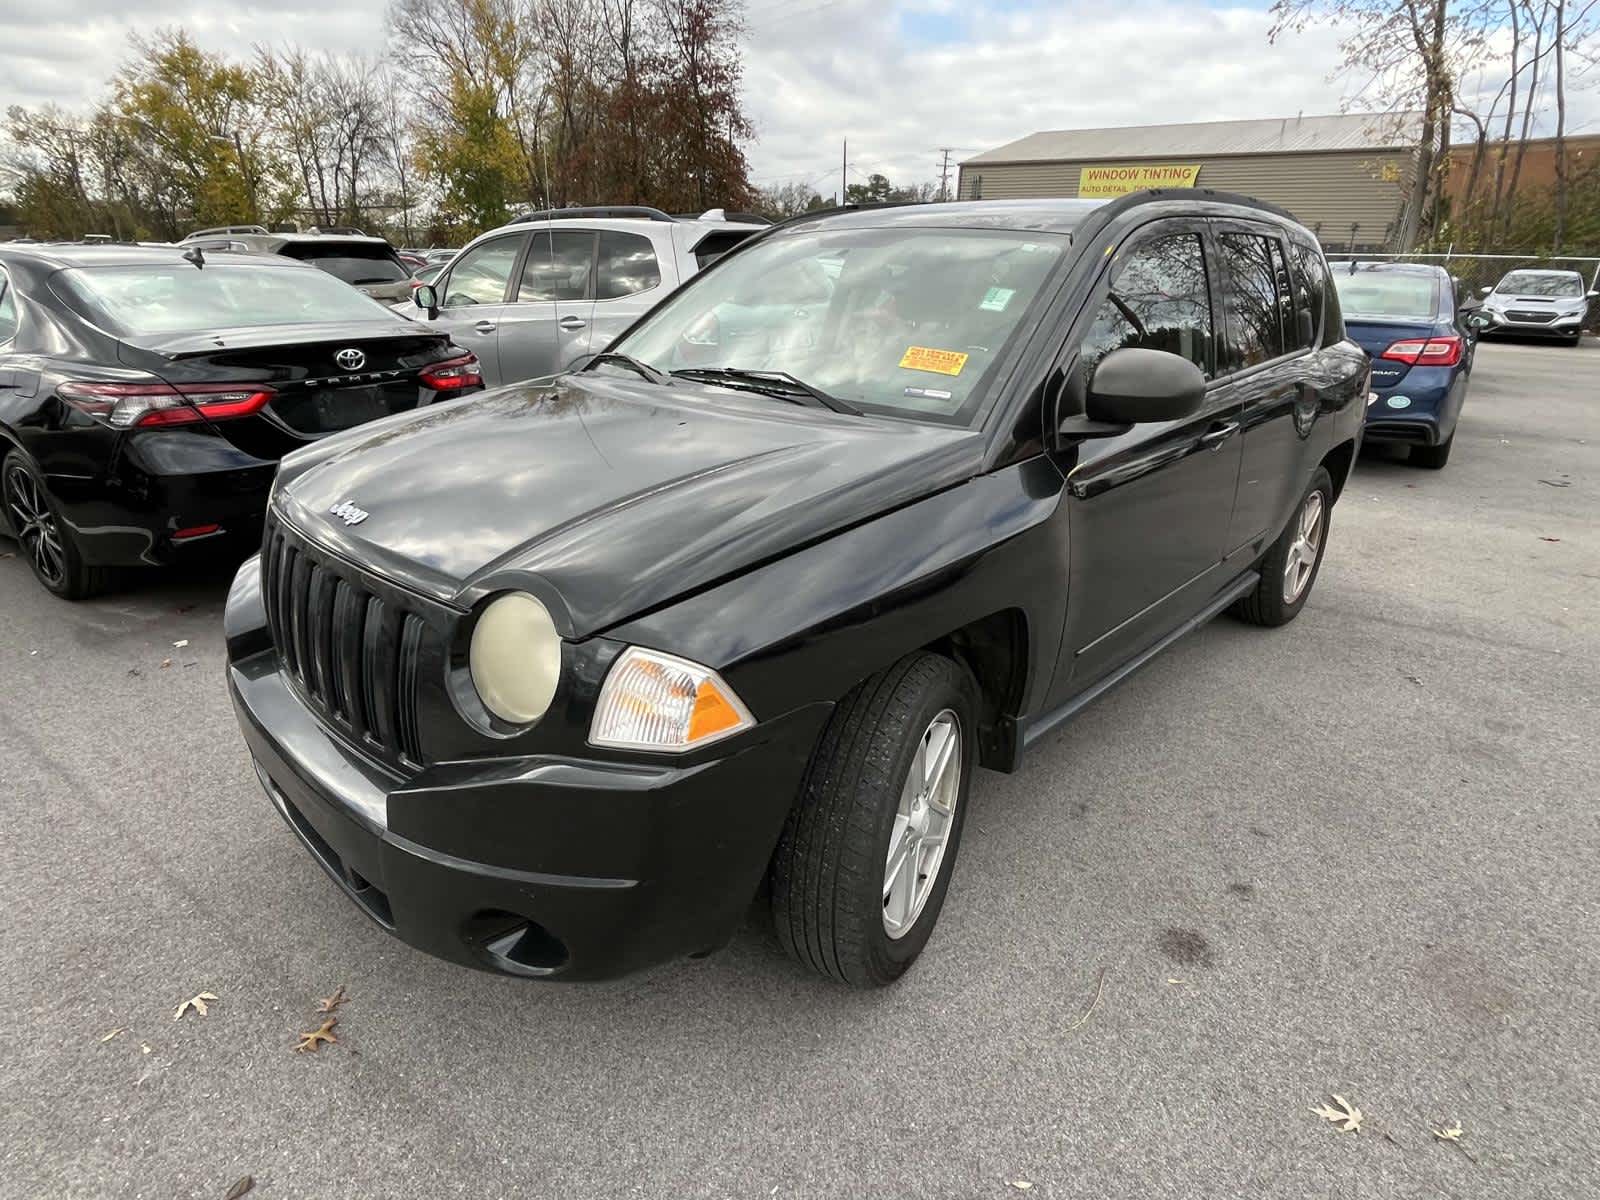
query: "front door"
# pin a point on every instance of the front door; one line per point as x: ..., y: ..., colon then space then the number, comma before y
x: 1148, y: 511
x: 472, y: 297
x: 544, y: 328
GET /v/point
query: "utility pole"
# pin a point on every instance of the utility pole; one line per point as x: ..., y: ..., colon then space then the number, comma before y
x: 944, y: 174
x: 844, y: 173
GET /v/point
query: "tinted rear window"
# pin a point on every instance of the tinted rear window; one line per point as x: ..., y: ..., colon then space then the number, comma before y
x: 353, y: 262
x: 1403, y: 294
x: 180, y: 299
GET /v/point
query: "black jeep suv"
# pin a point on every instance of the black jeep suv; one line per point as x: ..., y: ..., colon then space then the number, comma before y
x: 551, y: 679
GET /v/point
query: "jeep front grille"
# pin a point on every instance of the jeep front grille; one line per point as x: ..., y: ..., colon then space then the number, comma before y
x: 354, y: 655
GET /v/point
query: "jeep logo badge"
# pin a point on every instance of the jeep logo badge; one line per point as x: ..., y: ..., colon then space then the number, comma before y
x: 350, y: 359
x: 348, y: 512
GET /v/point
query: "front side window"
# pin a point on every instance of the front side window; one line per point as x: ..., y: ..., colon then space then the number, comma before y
x: 162, y: 298
x: 480, y: 274
x: 1541, y: 283
x: 625, y: 266
x: 1255, y: 309
x: 557, y: 266
x: 898, y: 320
x: 1159, y: 300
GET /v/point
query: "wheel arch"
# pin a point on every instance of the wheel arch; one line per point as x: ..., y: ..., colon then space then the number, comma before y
x: 1339, y: 462
x: 994, y: 651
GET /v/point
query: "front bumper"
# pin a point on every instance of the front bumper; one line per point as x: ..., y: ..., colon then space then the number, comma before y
x: 541, y: 866
x: 1564, y: 326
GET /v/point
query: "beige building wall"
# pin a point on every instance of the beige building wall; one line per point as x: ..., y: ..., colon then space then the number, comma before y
x: 1330, y: 189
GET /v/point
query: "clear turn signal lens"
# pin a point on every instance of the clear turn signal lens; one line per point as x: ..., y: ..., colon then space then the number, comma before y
x: 654, y: 701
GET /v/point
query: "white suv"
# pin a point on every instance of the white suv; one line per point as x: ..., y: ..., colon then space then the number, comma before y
x: 531, y: 297
x: 1553, y: 303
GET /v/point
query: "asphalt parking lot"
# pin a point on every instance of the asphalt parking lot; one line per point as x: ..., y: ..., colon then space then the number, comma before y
x: 1355, y: 856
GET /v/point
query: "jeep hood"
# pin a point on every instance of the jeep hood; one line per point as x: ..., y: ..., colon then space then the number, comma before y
x: 618, y: 496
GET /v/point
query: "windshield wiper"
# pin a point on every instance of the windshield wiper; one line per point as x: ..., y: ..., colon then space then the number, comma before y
x: 633, y: 364
x: 773, y: 383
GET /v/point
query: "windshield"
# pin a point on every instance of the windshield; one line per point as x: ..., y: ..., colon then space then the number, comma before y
x: 901, y: 321
x: 352, y: 262
x: 162, y: 298
x: 1403, y: 294
x: 1536, y: 283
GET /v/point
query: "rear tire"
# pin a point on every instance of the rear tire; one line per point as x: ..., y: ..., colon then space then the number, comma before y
x: 45, y: 540
x: 1299, y: 544
x: 843, y: 904
x: 1432, y: 457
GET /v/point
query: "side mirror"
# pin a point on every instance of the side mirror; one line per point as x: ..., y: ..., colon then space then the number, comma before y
x: 1133, y: 385
x: 1484, y: 291
x: 1592, y: 295
x: 1477, y: 321
x: 424, y: 296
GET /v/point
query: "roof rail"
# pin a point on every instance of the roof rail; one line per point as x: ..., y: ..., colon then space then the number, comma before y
x: 336, y: 230
x: 612, y: 211
x: 228, y: 229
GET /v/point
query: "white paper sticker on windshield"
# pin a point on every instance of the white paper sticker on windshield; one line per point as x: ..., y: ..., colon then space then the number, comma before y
x: 928, y: 393
x: 996, y: 299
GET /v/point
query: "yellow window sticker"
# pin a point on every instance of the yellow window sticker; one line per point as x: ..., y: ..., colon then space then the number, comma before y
x: 940, y: 362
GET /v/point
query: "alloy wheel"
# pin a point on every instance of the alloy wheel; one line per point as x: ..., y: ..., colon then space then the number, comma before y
x: 922, y: 824
x: 34, y: 525
x: 1302, y: 559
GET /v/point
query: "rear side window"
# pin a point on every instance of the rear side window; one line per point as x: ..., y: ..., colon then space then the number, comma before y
x: 1158, y: 300
x: 1311, y: 285
x: 1255, y: 307
x: 353, y: 262
x: 557, y: 266
x: 626, y: 265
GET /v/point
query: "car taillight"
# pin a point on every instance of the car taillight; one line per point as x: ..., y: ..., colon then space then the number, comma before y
x: 144, y: 405
x: 1428, y: 352
x: 452, y: 374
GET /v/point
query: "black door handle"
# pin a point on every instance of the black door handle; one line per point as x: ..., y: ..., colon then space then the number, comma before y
x: 1217, y: 434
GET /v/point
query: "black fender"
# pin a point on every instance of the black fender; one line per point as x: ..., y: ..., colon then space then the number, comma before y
x: 808, y: 627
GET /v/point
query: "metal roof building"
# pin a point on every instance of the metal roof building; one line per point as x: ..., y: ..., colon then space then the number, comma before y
x: 1346, y: 176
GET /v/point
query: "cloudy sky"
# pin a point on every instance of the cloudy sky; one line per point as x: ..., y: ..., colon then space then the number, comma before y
x: 898, y: 78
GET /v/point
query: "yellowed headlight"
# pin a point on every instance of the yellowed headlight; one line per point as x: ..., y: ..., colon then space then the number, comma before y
x: 515, y: 658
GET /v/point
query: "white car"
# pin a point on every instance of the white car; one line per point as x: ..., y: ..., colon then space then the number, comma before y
x: 1552, y: 303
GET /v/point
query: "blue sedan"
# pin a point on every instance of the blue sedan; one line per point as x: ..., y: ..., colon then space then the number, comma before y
x: 1404, y: 315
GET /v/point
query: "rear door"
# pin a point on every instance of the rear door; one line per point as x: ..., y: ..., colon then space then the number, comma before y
x: 1267, y: 370
x: 546, y: 326
x: 472, y: 297
x: 629, y: 281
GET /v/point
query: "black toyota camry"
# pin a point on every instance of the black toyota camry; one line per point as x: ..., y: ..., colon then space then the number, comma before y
x: 147, y: 394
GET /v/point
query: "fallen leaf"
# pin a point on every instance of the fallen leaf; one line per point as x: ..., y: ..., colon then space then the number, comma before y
x: 331, y: 1003
x: 1347, y: 1116
x: 114, y: 1032
x: 1022, y: 1185
x: 180, y: 643
x: 165, y: 663
x: 323, y: 1033
x: 240, y: 1186
x: 197, y: 1002
x: 1451, y: 1133
x: 1542, y: 538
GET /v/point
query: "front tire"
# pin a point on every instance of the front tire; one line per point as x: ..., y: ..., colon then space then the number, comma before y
x: 45, y: 539
x: 867, y: 852
x: 1290, y: 568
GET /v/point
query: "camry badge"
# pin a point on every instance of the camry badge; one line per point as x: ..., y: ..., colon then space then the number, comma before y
x: 350, y: 359
x: 347, y: 512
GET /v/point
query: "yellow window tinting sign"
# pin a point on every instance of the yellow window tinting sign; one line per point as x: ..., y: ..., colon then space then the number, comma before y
x: 940, y: 362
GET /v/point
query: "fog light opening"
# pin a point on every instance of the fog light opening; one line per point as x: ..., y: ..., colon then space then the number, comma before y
x: 516, y: 944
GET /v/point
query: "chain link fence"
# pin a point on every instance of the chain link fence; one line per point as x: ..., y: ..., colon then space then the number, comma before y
x: 1473, y: 272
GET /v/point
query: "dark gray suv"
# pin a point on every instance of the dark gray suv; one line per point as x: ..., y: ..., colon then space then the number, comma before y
x: 367, y: 263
